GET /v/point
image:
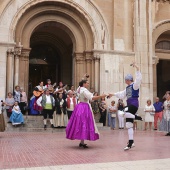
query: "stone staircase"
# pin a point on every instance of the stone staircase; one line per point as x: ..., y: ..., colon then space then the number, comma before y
x: 35, y: 124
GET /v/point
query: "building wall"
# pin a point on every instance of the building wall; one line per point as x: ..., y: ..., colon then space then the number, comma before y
x: 124, y: 31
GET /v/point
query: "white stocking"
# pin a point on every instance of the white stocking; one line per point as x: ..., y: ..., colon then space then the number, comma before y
x: 45, y: 121
x: 51, y: 121
x: 130, y: 133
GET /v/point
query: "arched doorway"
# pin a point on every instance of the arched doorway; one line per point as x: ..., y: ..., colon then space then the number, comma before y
x: 56, y: 25
x: 51, y: 55
x: 162, y: 49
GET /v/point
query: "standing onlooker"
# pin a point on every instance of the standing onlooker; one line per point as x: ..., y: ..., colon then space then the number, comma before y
x: 60, y: 118
x: 112, y: 110
x: 120, y: 107
x: 103, y: 110
x: 149, y: 114
x: 9, y: 102
x: 47, y: 102
x: 23, y: 102
x: 95, y: 108
x: 165, y: 123
x: 17, y: 94
x: 71, y: 103
x: 158, y: 112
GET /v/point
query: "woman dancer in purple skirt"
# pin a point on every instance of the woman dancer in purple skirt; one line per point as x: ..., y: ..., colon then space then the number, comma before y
x: 81, y: 125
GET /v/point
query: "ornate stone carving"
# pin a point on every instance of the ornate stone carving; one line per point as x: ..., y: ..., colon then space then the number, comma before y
x: 96, y: 57
x: 79, y: 57
x: 25, y: 53
x: 155, y: 60
x: 17, y: 50
x: 88, y: 56
x: 10, y: 51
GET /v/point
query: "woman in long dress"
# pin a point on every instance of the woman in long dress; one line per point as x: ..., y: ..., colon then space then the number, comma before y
x: 82, y: 125
x: 16, y: 117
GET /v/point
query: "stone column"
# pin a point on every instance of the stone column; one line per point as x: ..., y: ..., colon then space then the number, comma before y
x: 155, y: 61
x: 80, y: 71
x: 10, y: 70
x: 24, y: 69
x: 17, y: 53
x: 97, y: 72
x: 88, y: 57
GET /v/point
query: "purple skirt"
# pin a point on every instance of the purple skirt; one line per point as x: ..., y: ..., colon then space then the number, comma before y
x: 81, y: 124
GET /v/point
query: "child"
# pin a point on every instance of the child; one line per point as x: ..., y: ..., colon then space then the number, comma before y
x: 16, y: 117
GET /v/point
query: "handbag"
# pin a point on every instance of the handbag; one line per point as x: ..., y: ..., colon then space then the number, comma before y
x: 113, y: 115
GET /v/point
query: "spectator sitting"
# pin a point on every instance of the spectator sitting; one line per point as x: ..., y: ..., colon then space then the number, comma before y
x: 16, y: 117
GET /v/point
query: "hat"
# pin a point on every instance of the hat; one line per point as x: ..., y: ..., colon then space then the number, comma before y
x: 129, y: 77
x: 48, y: 80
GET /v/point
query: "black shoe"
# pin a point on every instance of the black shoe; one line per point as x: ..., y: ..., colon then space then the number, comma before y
x: 168, y: 134
x: 9, y: 122
x: 155, y: 129
x: 129, y: 145
x: 52, y: 126
x: 83, y: 145
x: 138, y: 118
x: 45, y: 127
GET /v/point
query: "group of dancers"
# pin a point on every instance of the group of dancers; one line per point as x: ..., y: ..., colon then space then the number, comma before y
x: 82, y: 125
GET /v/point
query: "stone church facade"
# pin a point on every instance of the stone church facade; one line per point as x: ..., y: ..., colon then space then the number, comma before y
x: 63, y: 39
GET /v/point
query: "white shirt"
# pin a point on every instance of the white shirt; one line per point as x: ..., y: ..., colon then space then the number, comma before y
x: 136, y: 85
x: 48, y: 100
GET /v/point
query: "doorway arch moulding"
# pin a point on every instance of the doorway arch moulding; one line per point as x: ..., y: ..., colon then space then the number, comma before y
x: 159, y: 29
x: 86, y: 9
x: 89, y: 32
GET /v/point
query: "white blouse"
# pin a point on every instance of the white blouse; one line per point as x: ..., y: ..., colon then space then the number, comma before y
x: 84, y: 95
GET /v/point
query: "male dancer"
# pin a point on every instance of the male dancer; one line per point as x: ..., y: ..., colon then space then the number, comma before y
x: 132, y: 94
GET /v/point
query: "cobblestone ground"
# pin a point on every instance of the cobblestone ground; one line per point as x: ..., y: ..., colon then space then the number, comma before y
x: 52, y: 151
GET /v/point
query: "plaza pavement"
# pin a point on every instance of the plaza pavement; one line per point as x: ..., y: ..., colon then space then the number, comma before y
x: 51, y: 151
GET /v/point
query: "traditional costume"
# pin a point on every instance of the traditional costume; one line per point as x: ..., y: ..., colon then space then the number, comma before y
x: 132, y: 94
x: 81, y: 125
x: 16, y: 117
x: 71, y: 103
x: 60, y: 117
x: 47, y: 102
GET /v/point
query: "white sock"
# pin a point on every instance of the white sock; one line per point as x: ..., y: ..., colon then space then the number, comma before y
x: 51, y: 121
x: 45, y: 121
x: 129, y: 115
x: 130, y: 133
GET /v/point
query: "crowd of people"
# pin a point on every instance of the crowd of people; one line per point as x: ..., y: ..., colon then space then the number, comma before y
x: 76, y: 109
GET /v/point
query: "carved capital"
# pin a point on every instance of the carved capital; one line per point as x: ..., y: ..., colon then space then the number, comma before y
x: 17, y: 50
x: 79, y: 57
x: 155, y: 60
x: 96, y: 57
x: 10, y: 52
x: 88, y: 56
x: 25, y: 53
